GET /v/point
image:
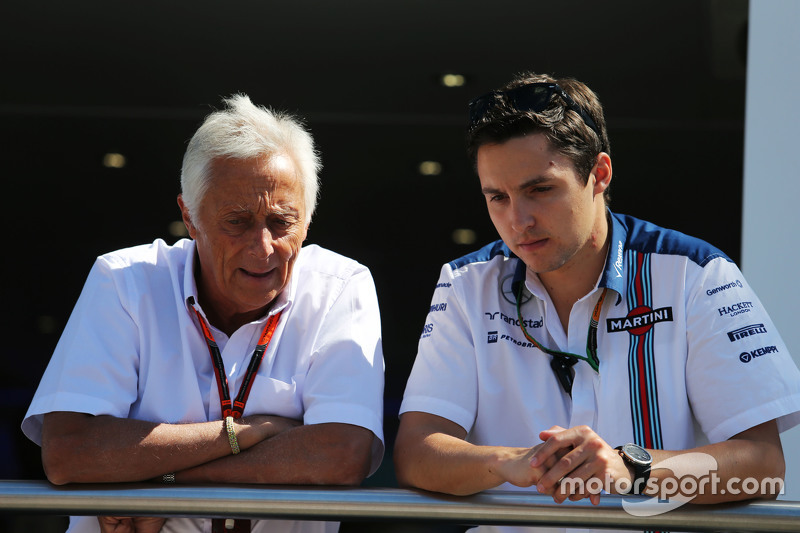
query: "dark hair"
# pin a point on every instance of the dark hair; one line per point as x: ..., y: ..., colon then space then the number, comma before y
x: 564, y: 128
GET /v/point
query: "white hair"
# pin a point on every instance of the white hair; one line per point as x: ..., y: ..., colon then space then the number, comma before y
x: 245, y: 131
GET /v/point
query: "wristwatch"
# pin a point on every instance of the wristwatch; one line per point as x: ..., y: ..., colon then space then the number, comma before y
x: 640, y: 460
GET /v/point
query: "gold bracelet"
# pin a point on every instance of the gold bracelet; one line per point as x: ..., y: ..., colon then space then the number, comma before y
x: 234, y: 442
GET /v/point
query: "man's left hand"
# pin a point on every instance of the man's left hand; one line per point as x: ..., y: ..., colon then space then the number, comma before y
x: 583, y: 456
x: 127, y: 524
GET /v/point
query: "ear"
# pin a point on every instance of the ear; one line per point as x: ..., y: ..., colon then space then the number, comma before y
x: 601, y: 173
x: 187, y: 220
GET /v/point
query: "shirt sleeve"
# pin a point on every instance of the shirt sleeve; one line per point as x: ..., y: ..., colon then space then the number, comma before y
x: 443, y: 380
x: 96, y: 359
x: 345, y: 381
x: 739, y: 371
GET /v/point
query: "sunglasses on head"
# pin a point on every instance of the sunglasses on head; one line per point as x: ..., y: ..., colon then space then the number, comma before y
x: 531, y: 97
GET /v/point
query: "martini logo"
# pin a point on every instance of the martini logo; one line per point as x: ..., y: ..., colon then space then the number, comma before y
x: 640, y: 320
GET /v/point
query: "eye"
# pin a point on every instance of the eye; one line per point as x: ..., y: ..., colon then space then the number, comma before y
x: 282, y: 222
x: 496, y: 197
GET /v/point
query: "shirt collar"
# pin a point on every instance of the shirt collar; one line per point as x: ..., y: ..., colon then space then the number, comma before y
x: 613, y: 275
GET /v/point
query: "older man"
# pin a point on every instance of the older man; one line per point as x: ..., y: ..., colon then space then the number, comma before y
x: 234, y: 356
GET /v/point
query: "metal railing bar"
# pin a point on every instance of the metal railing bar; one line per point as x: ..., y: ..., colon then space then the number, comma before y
x: 381, y: 504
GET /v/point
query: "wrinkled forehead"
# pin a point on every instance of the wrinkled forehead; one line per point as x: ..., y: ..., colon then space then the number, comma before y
x: 255, y: 183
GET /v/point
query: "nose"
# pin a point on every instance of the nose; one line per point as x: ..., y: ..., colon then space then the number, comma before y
x: 262, y: 243
x: 521, y: 216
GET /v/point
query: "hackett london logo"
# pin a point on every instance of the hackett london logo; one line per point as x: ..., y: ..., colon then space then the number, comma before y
x: 640, y: 320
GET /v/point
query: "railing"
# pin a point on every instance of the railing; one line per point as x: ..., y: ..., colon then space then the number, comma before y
x: 383, y: 504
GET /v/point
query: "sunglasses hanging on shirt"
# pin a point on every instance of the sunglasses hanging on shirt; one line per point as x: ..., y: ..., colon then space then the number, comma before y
x: 562, y: 362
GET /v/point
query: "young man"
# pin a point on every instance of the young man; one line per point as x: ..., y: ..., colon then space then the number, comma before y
x: 583, y: 331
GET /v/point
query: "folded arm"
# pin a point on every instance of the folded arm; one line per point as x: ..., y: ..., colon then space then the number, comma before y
x: 316, y: 454
x: 81, y: 448
x: 430, y: 453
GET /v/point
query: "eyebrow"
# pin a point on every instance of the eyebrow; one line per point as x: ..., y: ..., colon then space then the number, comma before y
x: 530, y: 183
x: 279, y: 210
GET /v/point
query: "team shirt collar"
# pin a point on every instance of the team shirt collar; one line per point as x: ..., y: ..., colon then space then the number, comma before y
x: 613, y: 276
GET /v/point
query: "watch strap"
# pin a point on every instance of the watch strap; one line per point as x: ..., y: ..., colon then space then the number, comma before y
x: 641, y: 473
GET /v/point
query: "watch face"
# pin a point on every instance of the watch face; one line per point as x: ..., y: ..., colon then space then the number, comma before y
x: 637, y: 454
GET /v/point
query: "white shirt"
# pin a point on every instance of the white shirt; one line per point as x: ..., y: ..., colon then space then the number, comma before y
x: 133, y: 348
x: 682, y: 341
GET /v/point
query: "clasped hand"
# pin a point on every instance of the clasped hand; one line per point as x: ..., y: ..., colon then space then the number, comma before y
x: 569, y: 458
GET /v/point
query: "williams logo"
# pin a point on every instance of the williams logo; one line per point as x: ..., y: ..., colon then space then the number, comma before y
x: 746, y: 357
x: 640, y: 320
x: 492, y: 337
x: 747, y: 331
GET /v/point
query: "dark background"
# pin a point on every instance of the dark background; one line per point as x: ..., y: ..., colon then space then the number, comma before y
x: 80, y: 80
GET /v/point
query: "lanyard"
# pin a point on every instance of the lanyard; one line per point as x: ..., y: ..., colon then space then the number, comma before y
x: 562, y: 362
x: 237, y: 408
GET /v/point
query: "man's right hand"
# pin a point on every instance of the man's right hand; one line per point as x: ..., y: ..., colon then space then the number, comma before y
x: 431, y: 453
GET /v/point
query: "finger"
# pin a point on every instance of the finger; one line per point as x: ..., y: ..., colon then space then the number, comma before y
x: 546, y: 434
x: 554, y: 444
x: 573, y: 465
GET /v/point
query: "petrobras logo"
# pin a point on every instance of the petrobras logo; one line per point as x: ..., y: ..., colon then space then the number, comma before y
x: 732, y: 284
x: 618, y: 262
x: 735, y: 309
x: 491, y: 337
x: 746, y: 357
x: 640, y: 320
x: 521, y: 344
x: 527, y: 322
x: 438, y: 307
x: 427, y: 330
x: 747, y: 331
x: 442, y: 286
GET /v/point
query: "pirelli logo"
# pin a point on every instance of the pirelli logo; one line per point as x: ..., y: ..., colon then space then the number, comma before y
x: 747, y: 331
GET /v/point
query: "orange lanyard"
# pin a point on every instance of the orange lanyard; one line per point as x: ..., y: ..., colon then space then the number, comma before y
x: 237, y: 408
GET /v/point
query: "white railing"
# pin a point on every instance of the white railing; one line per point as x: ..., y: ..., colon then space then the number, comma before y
x: 381, y: 505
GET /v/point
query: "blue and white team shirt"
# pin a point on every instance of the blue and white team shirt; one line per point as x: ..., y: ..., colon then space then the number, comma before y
x: 683, y: 343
